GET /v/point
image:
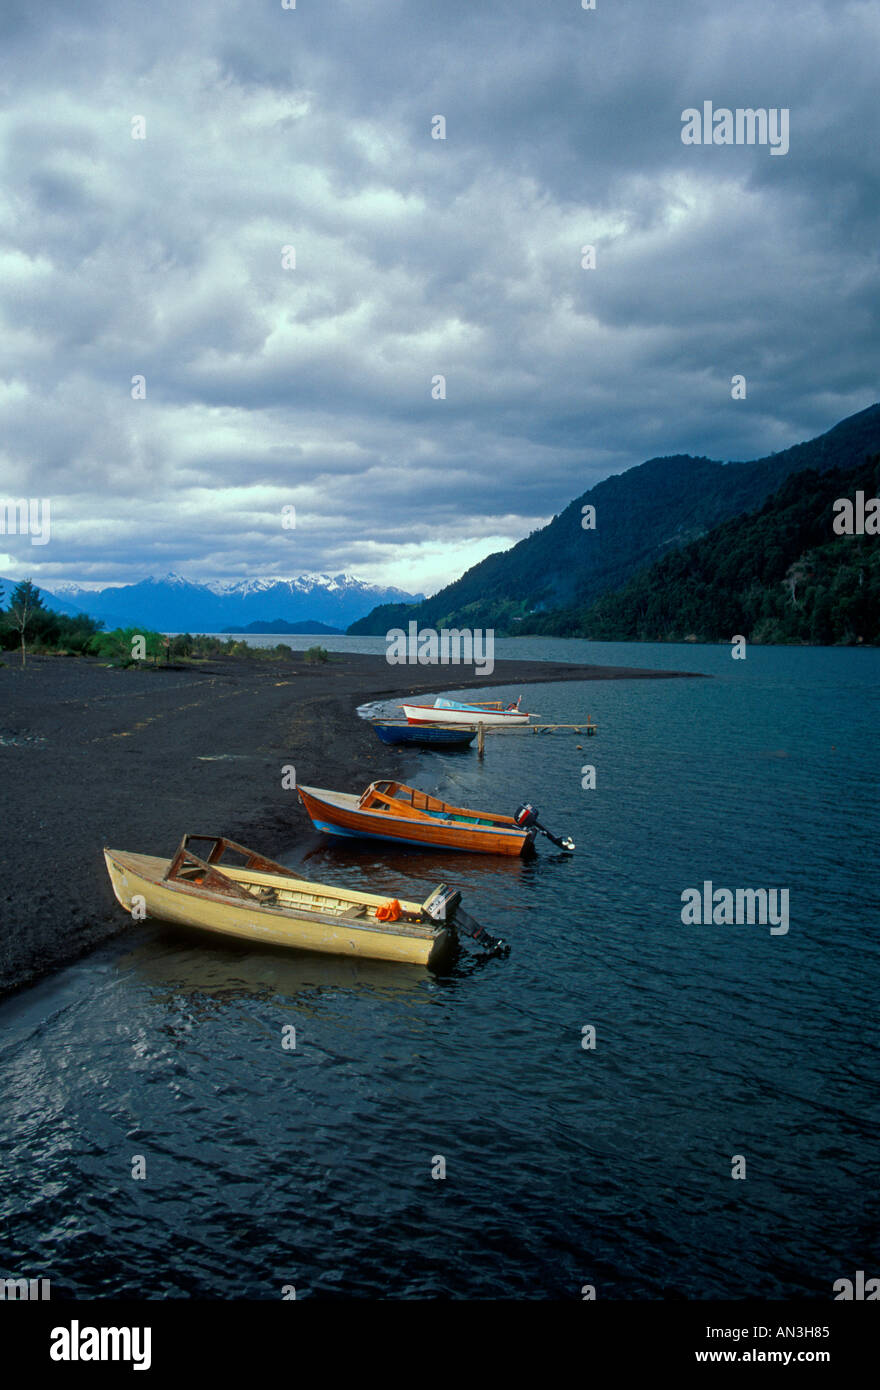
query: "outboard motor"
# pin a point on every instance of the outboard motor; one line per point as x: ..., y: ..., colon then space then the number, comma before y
x: 526, y: 818
x: 495, y: 945
x: 444, y: 905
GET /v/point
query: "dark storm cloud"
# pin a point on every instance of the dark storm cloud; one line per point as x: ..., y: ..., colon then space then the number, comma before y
x: 414, y: 257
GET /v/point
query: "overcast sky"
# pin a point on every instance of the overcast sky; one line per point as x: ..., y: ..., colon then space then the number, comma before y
x: 311, y: 386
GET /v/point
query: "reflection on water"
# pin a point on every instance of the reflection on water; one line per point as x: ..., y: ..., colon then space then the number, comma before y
x: 367, y: 865
x: 190, y: 964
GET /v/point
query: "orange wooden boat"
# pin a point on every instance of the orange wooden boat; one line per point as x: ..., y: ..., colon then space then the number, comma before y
x: 394, y: 811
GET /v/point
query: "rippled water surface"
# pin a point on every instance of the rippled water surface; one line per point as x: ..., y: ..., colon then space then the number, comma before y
x: 564, y: 1166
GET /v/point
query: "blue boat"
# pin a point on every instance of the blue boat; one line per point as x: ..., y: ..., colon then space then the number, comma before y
x: 426, y: 735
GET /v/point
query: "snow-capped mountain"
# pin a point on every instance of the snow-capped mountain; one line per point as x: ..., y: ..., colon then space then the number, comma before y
x: 303, y: 584
x: 56, y: 599
x: 176, y: 604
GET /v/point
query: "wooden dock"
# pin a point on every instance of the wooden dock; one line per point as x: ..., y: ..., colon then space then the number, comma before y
x: 586, y: 727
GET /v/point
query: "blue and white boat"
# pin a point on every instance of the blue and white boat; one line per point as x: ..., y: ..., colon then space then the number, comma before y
x: 426, y: 735
x: 455, y: 712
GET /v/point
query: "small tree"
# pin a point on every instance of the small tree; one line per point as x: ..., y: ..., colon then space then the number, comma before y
x: 26, y: 602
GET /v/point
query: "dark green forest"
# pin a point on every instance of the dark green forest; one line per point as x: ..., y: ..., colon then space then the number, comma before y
x: 778, y: 574
x: 23, y: 613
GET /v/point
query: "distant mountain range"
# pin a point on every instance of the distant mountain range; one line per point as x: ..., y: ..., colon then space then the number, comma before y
x: 175, y: 604
x: 642, y: 515
x: 551, y: 581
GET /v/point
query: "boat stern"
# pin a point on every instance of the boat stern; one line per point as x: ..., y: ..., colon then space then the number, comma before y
x: 444, y: 905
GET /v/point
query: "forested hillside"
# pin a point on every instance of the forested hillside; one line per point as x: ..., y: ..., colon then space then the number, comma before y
x: 779, y: 574
x: 641, y: 516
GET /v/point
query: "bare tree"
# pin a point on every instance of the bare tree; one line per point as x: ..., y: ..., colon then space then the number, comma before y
x: 24, y: 604
x: 796, y: 574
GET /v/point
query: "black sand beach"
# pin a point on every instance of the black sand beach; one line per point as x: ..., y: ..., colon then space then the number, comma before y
x: 93, y: 756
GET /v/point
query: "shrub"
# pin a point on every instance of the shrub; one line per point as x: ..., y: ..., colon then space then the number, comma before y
x: 118, y: 646
x: 314, y: 655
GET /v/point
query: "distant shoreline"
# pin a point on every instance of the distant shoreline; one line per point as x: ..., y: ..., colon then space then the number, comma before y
x: 280, y: 627
x: 93, y: 755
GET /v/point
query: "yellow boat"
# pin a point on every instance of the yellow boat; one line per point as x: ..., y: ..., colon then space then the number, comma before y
x: 259, y: 900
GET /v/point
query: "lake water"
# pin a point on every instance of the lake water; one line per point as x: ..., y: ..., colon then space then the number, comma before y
x: 565, y: 1165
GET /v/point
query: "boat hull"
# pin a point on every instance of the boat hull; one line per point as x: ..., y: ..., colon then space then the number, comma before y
x: 427, y: 735
x: 429, y: 714
x: 343, y: 816
x: 310, y: 930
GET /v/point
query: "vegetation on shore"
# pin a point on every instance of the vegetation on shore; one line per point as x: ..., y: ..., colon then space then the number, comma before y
x: 27, y: 625
x: 316, y: 656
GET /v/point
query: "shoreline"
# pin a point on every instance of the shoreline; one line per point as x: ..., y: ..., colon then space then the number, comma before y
x: 133, y: 759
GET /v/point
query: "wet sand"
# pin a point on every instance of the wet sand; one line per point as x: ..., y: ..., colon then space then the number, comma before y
x: 91, y: 756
